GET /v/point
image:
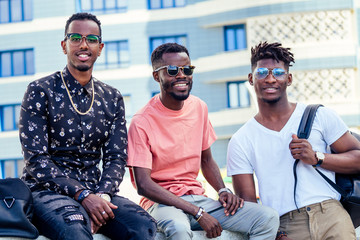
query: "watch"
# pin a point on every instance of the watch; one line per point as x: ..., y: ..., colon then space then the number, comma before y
x: 104, y: 196
x: 320, y: 157
x: 224, y: 190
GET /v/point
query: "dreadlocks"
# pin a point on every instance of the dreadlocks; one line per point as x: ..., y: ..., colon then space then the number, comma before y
x: 271, y: 50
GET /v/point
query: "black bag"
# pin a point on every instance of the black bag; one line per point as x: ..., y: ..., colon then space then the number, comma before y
x: 348, y: 185
x: 16, y: 209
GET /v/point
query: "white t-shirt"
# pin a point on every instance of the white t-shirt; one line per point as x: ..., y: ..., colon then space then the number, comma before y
x: 255, y: 148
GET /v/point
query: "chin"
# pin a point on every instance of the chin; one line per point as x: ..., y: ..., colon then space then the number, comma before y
x: 83, y: 68
x: 180, y: 97
x: 271, y: 101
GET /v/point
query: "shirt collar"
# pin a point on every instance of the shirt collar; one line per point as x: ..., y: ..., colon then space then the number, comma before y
x: 73, y: 85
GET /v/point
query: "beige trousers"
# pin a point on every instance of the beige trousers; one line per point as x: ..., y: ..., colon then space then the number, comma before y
x: 320, y: 221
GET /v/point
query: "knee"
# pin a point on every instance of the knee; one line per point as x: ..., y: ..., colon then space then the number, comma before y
x: 76, y: 226
x: 178, y: 230
x: 271, y: 219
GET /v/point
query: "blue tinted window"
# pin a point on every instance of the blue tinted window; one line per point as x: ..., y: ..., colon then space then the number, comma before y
x: 4, y: 11
x: 156, y: 4
x: 115, y: 54
x: 5, y: 64
x: 235, y: 37
x: 102, y: 6
x: 15, y: 10
x: 16, y: 63
x: 19, y: 64
x: 238, y: 95
x: 157, y: 41
x: 9, y: 117
x: 11, y: 167
x: 29, y: 61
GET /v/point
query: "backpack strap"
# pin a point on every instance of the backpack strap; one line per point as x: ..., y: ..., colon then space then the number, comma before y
x: 304, y: 130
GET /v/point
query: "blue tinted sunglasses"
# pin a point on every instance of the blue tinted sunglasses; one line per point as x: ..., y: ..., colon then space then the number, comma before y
x: 278, y: 73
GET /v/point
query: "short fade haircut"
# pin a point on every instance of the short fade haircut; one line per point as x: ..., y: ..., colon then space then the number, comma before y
x: 274, y: 50
x: 156, y: 56
x: 82, y: 16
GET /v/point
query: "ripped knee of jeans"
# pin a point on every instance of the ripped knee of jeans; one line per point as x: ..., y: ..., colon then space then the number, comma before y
x: 72, y: 214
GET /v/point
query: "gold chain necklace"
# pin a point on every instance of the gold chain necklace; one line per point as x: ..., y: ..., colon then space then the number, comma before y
x: 72, y: 103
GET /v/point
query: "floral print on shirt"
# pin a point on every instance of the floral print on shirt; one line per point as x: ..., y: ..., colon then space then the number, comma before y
x: 63, y: 150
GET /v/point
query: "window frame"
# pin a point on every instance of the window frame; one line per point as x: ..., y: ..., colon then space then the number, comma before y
x: 174, y: 4
x: 106, y: 64
x: 238, y: 97
x: 178, y: 39
x: 15, y: 124
x: 235, y: 29
x: 17, y: 171
x: 26, y: 11
x: 27, y: 69
x: 105, y: 10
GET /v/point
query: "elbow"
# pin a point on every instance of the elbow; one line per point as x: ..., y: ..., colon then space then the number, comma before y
x: 141, y: 188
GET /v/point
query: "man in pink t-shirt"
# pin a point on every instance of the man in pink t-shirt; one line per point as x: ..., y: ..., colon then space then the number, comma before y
x: 169, y: 142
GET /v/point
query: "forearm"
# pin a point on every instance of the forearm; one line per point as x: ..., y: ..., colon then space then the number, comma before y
x: 158, y: 194
x: 212, y: 174
x: 347, y: 162
x: 112, y: 176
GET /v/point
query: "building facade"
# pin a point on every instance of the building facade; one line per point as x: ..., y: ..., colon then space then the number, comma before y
x: 323, y: 34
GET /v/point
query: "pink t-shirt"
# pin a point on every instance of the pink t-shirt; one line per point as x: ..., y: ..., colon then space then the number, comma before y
x: 170, y: 144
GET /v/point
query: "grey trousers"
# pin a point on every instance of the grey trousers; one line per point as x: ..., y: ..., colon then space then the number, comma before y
x: 257, y: 221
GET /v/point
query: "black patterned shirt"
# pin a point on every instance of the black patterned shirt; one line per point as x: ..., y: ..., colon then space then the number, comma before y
x: 63, y: 149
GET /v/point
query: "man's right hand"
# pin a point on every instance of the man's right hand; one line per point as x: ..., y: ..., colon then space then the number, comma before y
x: 210, y: 225
x: 99, y: 210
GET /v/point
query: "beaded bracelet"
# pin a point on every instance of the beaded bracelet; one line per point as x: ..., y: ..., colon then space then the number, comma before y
x: 280, y: 234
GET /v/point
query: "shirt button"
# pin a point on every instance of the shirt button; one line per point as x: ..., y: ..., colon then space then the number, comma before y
x: 83, y: 123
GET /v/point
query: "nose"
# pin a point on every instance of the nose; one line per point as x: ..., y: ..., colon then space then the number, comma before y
x: 181, y: 73
x: 270, y: 77
x: 83, y: 42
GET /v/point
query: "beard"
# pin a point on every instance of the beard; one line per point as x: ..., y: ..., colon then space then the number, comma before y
x: 167, y: 86
x: 83, y: 68
x: 272, y: 101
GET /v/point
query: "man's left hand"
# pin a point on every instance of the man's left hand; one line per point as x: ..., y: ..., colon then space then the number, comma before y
x: 230, y: 202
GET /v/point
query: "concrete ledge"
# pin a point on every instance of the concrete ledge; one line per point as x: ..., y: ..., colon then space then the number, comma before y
x: 201, y: 235
x: 198, y: 235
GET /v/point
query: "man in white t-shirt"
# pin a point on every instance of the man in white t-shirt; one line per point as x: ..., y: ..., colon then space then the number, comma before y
x: 267, y: 145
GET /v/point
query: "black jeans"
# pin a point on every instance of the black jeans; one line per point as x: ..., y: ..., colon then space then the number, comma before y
x: 61, y: 217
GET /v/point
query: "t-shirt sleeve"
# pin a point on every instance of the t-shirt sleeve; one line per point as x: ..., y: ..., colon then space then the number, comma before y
x: 209, y: 136
x: 238, y: 160
x: 139, y: 154
x: 333, y: 126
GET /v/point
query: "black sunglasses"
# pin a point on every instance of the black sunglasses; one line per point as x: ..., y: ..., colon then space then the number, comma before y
x: 174, y: 70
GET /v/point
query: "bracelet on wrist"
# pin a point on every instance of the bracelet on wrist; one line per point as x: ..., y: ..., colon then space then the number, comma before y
x: 199, y: 214
x: 280, y: 234
x: 83, y: 195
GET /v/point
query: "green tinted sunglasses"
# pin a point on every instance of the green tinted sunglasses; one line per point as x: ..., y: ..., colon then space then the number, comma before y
x: 76, y: 38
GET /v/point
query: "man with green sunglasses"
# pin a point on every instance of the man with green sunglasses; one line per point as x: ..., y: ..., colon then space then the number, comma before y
x: 268, y: 145
x: 71, y: 124
x: 169, y: 143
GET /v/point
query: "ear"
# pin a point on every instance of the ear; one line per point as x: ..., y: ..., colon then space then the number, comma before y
x: 156, y: 76
x: 289, y: 79
x: 101, y: 46
x: 63, y: 45
x: 250, y: 78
